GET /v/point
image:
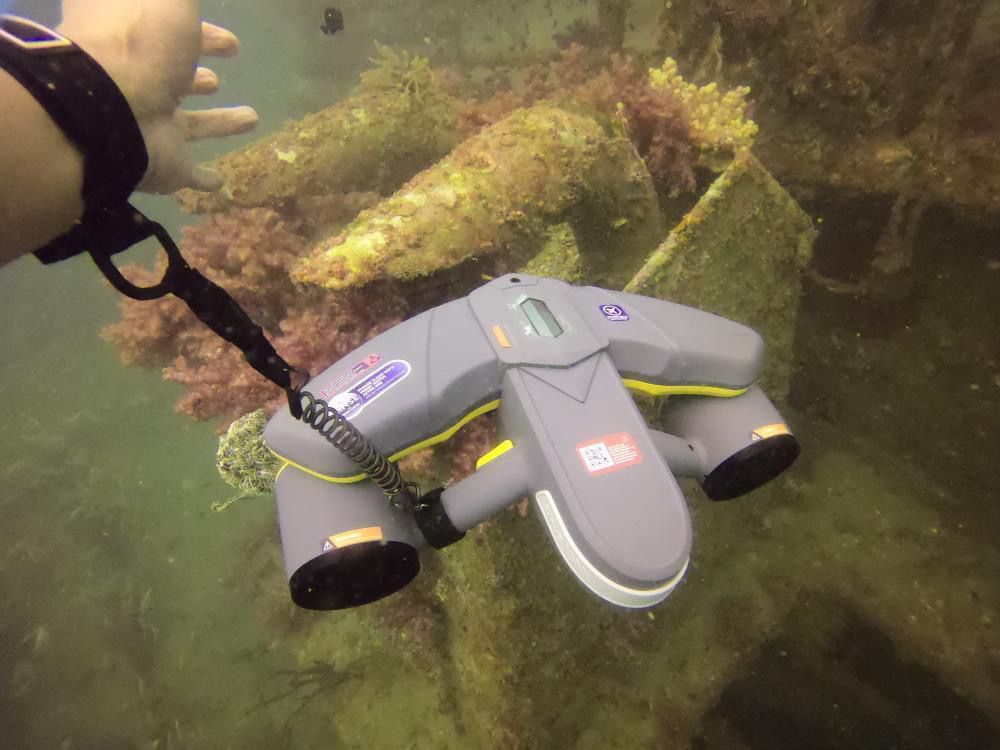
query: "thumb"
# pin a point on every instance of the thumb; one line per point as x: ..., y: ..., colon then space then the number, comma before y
x: 203, y: 178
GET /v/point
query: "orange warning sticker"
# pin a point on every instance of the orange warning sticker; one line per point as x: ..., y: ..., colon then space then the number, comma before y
x: 501, y: 337
x: 609, y: 453
x: 769, y: 430
x: 355, y: 536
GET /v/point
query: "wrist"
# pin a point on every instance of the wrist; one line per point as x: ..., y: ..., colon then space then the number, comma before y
x: 80, y: 100
x: 40, y: 197
x: 110, y: 50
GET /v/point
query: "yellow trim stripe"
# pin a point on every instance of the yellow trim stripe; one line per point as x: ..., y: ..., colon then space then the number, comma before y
x: 434, y: 440
x: 650, y: 389
x: 447, y: 434
x: 498, y: 451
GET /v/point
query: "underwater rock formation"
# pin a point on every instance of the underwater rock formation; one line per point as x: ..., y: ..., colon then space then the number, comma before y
x: 881, y: 97
x: 612, y: 17
x: 739, y: 253
x: 486, y: 649
x: 497, y: 193
x: 608, y: 153
x: 657, y: 122
x: 398, y: 123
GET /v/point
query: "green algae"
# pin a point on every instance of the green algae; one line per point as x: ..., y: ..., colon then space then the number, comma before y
x: 372, y: 141
x: 497, y: 193
x: 739, y: 253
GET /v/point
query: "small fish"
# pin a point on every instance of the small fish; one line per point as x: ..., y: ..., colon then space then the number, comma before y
x: 333, y: 21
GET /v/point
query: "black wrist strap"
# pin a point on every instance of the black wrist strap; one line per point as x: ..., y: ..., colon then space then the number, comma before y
x: 211, y: 304
x: 90, y: 109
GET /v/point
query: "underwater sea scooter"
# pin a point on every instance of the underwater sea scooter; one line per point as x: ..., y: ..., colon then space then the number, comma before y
x: 556, y: 361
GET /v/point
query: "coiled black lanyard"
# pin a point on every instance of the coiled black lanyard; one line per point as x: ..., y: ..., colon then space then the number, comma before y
x: 208, y: 301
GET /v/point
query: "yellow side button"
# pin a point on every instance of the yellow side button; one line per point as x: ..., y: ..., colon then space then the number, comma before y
x: 505, y: 446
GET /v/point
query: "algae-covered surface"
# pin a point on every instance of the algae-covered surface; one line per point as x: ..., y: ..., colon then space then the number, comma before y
x: 740, y: 252
x: 851, y: 603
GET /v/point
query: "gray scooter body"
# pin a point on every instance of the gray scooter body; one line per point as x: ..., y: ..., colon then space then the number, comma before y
x: 557, y: 359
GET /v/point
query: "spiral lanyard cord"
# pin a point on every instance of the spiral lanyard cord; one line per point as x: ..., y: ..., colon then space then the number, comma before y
x: 349, y: 440
x: 221, y: 313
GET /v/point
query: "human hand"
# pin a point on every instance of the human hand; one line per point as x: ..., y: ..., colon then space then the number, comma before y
x: 151, y: 50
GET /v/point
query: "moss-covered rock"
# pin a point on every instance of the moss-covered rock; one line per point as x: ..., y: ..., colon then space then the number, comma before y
x: 498, y: 193
x: 373, y: 141
x: 739, y: 253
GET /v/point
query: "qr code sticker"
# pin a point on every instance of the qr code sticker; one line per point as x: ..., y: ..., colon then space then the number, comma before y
x: 596, y: 456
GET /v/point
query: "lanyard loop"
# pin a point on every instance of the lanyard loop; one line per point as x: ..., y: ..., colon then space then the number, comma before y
x: 207, y: 300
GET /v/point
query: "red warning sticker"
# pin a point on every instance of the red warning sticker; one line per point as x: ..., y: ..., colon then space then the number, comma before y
x: 335, y: 385
x: 609, y: 453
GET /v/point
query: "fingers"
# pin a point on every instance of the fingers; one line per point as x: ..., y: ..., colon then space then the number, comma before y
x: 203, y: 178
x: 170, y: 165
x: 218, y: 122
x: 217, y: 41
x: 170, y: 161
x: 205, y: 82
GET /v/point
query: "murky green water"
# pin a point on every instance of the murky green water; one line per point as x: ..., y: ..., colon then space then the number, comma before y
x: 852, y: 603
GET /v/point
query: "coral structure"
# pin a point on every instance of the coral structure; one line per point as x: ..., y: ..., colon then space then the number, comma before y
x: 718, y: 119
x: 249, y: 252
x: 498, y: 192
x: 246, y: 251
x: 655, y: 120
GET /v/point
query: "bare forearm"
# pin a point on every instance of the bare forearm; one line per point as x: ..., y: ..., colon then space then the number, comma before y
x: 150, y: 48
x: 41, y: 174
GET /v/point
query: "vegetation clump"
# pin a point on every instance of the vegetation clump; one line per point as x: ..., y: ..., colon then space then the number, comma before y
x: 244, y: 461
x: 718, y: 119
x: 397, y: 70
